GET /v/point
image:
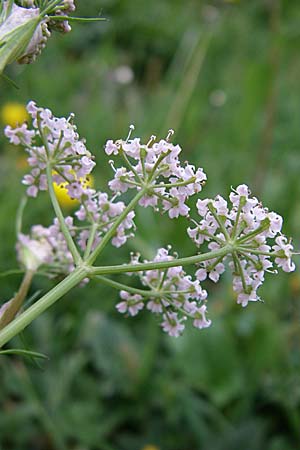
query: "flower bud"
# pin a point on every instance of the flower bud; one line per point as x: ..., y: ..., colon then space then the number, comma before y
x: 33, y: 253
x: 23, y: 34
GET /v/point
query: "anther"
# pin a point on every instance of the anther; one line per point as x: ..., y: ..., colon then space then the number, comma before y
x: 151, y: 140
x: 111, y: 163
x: 71, y: 117
x: 131, y: 128
x: 170, y: 134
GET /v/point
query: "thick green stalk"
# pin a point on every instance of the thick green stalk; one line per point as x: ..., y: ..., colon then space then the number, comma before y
x: 107, y: 237
x: 24, y: 319
x: 195, y: 259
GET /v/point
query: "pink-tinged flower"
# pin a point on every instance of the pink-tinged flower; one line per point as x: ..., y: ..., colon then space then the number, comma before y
x: 200, y: 320
x: 132, y: 303
x: 175, y: 204
x: 155, y: 306
x: 156, y: 165
x: 284, y: 249
x: 121, y: 181
x: 98, y: 209
x: 19, y: 135
x: 51, y: 139
x: 172, y: 325
x: 46, y: 247
x: 132, y: 148
x: 32, y: 253
x: 175, y: 294
x: 245, y: 229
x: 111, y: 148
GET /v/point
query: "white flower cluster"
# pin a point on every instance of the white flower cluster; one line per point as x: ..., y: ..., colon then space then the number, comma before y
x: 52, y: 141
x: 241, y: 231
x: 172, y: 294
x: 157, y: 167
x: 96, y: 208
x: 247, y: 229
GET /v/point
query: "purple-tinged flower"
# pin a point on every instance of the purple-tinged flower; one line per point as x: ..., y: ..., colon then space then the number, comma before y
x: 52, y: 141
x: 131, y: 303
x: 172, y: 324
x: 245, y: 229
x: 156, y: 168
x: 284, y: 250
x: 200, y: 320
x: 176, y: 296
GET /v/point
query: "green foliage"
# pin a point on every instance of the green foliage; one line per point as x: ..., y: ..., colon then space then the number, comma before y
x: 232, y: 71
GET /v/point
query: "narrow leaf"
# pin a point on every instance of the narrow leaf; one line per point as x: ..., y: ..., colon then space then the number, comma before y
x: 78, y: 19
x: 20, y: 352
x: 9, y: 80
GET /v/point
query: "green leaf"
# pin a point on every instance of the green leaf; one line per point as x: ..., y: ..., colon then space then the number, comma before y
x: 13, y: 44
x: 9, y: 80
x: 78, y: 19
x: 6, y: 273
x: 20, y: 352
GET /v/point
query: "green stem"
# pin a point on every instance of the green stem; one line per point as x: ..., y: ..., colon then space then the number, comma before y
x: 252, y: 234
x: 189, y: 260
x: 20, y: 215
x: 78, y: 19
x: 71, y: 245
x: 172, y: 200
x: 124, y: 287
x: 234, y: 230
x: 133, y: 183
x: 153, y: 173
x: 219, y: 220
x: 179, y: 183
x: 256, y: 252
x: 241, y: 271
x: 248, y: 257
x: 130, y: 166
x: 50, y: 7
x: 89, y: 244
x: 113, y: 229
x: 211, y: 236
x: 24, y: 319
x: 143, y: 292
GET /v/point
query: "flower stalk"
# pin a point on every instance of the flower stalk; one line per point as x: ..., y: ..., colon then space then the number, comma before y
x: 34, y: 311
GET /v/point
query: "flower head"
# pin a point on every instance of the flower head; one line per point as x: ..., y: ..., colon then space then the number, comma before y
x: 171, y: 294
x: 247, y: 229
x: 155, y: 167
x: 54, y: 141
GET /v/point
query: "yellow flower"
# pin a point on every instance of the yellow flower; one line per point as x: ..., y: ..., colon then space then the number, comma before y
x: 63, y: 197
x: 150, y: 447
x: 13, y: 114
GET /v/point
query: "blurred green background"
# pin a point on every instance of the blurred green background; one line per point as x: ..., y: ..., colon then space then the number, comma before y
x: 225, y: 75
